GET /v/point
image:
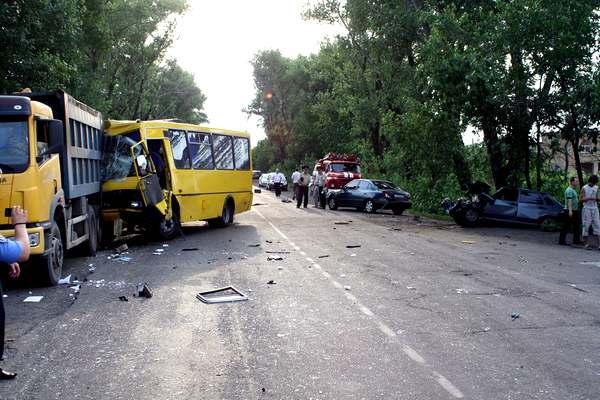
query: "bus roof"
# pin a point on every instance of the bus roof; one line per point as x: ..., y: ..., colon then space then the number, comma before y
x: 118, y: 127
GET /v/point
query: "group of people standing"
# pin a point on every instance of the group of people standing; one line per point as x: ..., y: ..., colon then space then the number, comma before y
x: 302, y: 181
x: 579, y: 222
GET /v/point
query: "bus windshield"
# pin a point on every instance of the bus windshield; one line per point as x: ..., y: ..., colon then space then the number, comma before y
x: 117, y: 162
x: 14, y: 146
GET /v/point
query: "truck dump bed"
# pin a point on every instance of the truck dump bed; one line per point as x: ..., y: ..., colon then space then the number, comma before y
x: 82, y: 153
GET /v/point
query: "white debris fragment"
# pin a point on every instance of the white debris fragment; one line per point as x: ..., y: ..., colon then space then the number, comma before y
x: 347, y: 287
x: 280, y: 268
x: 33, y: 299
x: 411, y: 288
x: 65, y: 281
x: 353, y: 255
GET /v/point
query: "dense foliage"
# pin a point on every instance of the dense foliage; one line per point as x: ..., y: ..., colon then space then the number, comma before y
x: 110, y: 54
x: 409, y: 78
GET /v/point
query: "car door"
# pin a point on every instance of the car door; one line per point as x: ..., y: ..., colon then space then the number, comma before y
x: 366, y: 191
x: 531, y: 207
x: 504, y: 206
x: 345, y: 198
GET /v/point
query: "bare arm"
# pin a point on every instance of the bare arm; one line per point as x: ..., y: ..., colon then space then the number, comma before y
x: 19, y: 219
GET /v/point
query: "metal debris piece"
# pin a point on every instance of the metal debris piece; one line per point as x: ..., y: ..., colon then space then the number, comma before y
x: 514, y: 315
x: 271, y: 282
x: 228, y: 294
x: 468, y: 241
x: 65, y: 281
x: 144, y: 290
x: 257, y: 190
x: 123, y: 298
x: 342, y: 222
x: 574, y: 286
x: 278, y: 252
x: 122, y: 248
x: 323, y: 256
x: 190, y: 249
x: 353, y: 246
x: 347, y: 288
x: 33, y: 299
x: 254, y: 245
x: 274, y: 258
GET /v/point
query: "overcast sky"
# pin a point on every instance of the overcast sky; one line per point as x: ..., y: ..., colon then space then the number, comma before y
x: 216, y: 40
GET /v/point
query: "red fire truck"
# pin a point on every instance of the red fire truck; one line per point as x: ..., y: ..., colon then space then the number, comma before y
x: 339, y: 170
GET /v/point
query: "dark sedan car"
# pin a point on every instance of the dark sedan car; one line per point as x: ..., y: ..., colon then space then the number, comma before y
x: 370, y: 195
x: 512, y: 205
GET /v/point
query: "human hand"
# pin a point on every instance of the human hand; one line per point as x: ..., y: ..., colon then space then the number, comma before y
x: 19, y: 216
x: 14, y: 270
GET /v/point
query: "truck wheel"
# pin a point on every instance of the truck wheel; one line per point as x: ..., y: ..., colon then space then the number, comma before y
x: 52, y: 263
x: 94, y: 238
x: 369, y: 207
x: 225, y: 219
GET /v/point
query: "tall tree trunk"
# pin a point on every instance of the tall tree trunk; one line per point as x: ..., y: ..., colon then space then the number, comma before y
x: 575, y: 145
x: 538, y: 158
x: 492, y: 143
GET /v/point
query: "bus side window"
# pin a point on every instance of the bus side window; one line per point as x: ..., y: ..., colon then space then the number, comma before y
x: 179, y: 147
x: 201, y: 150
x: 241, y: 153
x: 223, y: 149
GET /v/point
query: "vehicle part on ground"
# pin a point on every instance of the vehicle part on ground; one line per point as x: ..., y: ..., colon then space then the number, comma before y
x: 222, y: 295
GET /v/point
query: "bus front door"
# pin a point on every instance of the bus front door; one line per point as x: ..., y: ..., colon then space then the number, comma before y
x: 148, y: 182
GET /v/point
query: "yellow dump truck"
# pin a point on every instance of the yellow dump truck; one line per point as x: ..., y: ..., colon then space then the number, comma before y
x: 50, y: 157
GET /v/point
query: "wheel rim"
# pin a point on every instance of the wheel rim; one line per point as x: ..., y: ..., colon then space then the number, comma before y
x: 471, y: 215
x: 369, y: 206
x: 167, y: 226
x: 332, y: 203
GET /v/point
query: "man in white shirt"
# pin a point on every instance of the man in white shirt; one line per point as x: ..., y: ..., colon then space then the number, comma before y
x: 295, y: 180
x: 277, y: 181
x: 319, y: 183
x: 590, y: 216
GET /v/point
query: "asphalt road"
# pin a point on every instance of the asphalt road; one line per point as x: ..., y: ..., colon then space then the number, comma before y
x: 420, y: 310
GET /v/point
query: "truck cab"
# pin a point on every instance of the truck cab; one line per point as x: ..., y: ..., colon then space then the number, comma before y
x: 50, y: 166
x: 339, y: 170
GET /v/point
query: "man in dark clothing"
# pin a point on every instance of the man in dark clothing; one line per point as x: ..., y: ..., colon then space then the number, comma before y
x: 303, y: 182
x: 572, y: 216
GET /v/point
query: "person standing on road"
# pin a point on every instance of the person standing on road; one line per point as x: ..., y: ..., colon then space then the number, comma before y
x: 11, y: 252
x: 277, y: 181
x: 572, y: 217
x: 590, y: 216
x: 319, y: 184
x: 303, y: 182
x: 295, y: 178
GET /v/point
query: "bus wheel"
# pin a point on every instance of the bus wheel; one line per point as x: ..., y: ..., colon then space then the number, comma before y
x: 226, y: 217
x: 52, y: 263
x: 169, y: 228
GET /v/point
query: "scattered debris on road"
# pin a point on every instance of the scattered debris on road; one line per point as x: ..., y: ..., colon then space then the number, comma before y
x: 323, y: 256
x: 33, y: 299
x: 342, y: 222
x: 353, y: 255
x: 347, y: 287
x: 190, y: 249
x: 91, y: 268
x: 65, y: 281
x: 411, y: 288
x: 223, y: 295
x: 574, y: 286
x: 278, y: 252
x: 143, y: 290
x: 121, y: 259
x: 274, y: 258
x: 353, y: 246
x: 523, y: 260
x: 461, y: 291
x: 468, y: 241
x: 122, y: 248
x: 257, y: 190
x: 269, y: 241
x: 123, y: 298
x: 254, y: 245
x: 280, y: 268
x: 257, y: 204
x: 271, y: 282
x: 286, y: 200
x: 514, y: 315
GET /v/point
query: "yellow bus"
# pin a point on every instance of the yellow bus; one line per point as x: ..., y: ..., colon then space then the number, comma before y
x: 159, y: 174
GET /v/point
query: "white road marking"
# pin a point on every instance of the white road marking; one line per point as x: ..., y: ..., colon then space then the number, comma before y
x: 386, y: 330
x: 446, y: 384
x: 410, y: 352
